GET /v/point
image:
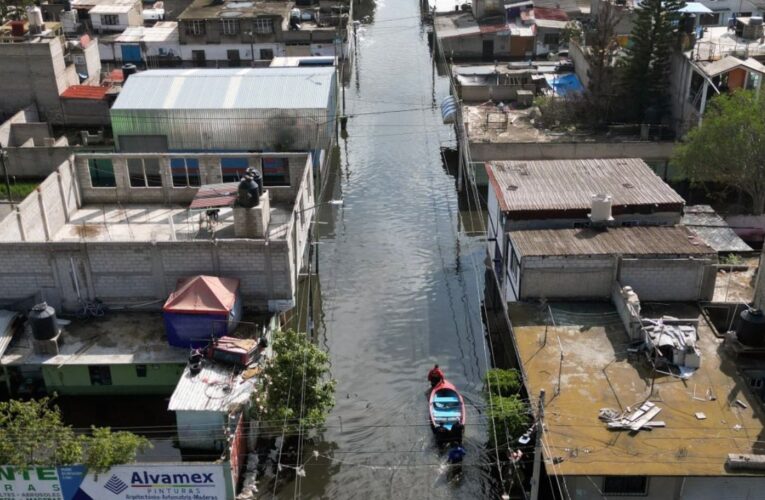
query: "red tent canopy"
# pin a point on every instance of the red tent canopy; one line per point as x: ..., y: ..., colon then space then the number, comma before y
x: 203, y: 295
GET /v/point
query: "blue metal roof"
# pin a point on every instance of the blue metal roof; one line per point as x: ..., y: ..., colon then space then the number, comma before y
x: 234, y: 88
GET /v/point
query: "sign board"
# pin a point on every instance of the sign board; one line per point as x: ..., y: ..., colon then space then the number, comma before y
x: 123, y: 482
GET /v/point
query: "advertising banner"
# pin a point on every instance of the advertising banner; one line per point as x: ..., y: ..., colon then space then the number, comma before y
x: 123, y: 482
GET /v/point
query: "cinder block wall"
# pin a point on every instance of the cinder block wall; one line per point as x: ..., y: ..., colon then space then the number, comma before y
x: 576, y: 277
x: 677, y: 280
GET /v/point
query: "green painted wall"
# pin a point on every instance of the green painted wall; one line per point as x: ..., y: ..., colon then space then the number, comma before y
x: 75, y: 380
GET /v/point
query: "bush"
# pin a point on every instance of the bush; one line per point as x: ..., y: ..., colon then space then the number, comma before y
x: 502, y: 382
x: 509, y: 419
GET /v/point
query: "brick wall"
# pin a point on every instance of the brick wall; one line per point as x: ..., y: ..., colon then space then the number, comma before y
x: 566, y: 277
x: 678, y: 280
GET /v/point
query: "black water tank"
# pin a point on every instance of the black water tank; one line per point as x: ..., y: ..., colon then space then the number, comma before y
x: 751, y: 328
x: 127, y: 70
x: 248, y: 193
x: 42, y: 319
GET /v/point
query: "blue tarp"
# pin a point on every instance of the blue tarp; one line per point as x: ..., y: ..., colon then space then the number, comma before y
x: 194, y: 330
x: 564, y: 84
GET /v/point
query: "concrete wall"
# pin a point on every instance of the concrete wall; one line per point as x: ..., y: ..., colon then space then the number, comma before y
x: 759, y: 286
x: 476, y: 93
x: 674, y: 488
x: 26, y: 115
x: 145, y: 271
x: 74, y: 380
x: 581, y: 66
x: 192, y: 427
x: 576, y: 277
x: 86, y: 112
x: 647, y: 150
x: 34, y: 73
x: 593, y: 277
x: 36, y: 162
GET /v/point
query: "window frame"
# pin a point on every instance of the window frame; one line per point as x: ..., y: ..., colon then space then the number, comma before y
x: 141, y: 371
x: 229, y: 27
x: 185, y: 166
x: 93, y: 164
x: 267, y: 52
x: 263, y: 25
x: 110, y: 19
x: 146, y: 183
x: 196, y: 27
x: 268, y: 180
x: 100, y: 375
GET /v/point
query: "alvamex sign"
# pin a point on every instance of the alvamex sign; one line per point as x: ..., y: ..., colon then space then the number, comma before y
x: 126, y: 482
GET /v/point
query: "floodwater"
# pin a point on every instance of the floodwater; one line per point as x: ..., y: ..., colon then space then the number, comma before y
x: 401, y: 284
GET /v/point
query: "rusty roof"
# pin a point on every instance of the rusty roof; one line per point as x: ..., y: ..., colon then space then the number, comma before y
x: 595, y: 372
x: 91, y: 92
x: 625, y: 241
x: 532, y: 188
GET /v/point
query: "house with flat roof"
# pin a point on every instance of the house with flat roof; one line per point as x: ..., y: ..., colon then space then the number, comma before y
x: 110, y: 17
x: 123, y: 228
x: 156, y: 46
x: 702, y: 433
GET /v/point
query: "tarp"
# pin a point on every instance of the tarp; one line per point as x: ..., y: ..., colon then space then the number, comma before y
x: 203, y: 295
x: 564, y: 84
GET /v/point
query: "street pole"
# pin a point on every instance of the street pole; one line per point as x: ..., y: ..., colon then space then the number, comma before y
x: 538, y: 448
x: 5, y: 174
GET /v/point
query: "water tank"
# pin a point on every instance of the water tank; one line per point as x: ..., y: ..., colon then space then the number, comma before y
x: 42, y: 319
x: 17, y: 28
x: 601, y: 208
x: 248, y: 193
x: 449, y: 109
x: 34, y: 14
x: 751, y: 328
x: 755, y: 21
x: 127, y: 70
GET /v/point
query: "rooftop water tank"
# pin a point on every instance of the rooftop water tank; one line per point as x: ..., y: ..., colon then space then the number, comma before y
x: 34, y: 14
x: 601, y: 209
x: 751, y: 328
x: 42, y: 319
x: 449, y: 109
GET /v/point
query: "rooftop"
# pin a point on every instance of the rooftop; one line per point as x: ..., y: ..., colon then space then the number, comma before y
x: 251, y: 88
x: 111, y: 8
x: 116, y: 338
x: 215, y: 388
x: 718, y: 41
x: 82, y: 4
x: 712, y: 228
x: 163, y: 31
x: 236, y: 9
x: 729, y: 63
x: 461, y: 24
x: 535, y: 187
x: 626, y: 241
x: 597, y: 372
x: 91, y: 92
x: 146, y: 222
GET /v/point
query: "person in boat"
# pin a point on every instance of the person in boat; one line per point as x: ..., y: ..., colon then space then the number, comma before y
x: 456, y: 453
x: 435, y: 376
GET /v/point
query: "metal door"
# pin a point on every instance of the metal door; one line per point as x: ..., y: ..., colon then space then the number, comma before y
x: 131, y: 53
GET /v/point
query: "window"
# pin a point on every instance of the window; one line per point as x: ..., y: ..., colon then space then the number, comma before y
x: 515, y: 265
x: 101, y: 173
x: 551, y: 39
x: 140, y: 371
x: 266, y: 54
x: 233, y: 169
x: 229, y: 27
x: 263, y: 25
x: 100, y: 375
x: 109, y: 19
x: 276, y: 171
x: 198, y: 58
x: 144, y: 172
x: 233, y: 58
x: 195, y: 27
x: 625, y: 485
x: 185, y: 172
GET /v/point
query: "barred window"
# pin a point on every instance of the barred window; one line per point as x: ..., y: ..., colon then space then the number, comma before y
x: 195, y: 27
x: 263, y: 25
x: 229, y: 27
x: 109, y: 19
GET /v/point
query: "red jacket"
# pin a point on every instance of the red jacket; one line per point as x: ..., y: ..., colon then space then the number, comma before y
x: 435, y: 374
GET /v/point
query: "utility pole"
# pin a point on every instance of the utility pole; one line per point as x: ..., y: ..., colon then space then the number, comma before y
x: 538, y: 447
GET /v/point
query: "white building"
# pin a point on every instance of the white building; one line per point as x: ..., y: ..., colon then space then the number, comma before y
x: 154, y: 46
x: 115, y: 18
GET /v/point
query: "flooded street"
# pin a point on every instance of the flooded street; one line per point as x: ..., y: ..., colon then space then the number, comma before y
x: 401, y: 283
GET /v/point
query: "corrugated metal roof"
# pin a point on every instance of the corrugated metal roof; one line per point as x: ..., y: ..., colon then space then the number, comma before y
x: 625, y: 241
x: 560, y: 185
x: 729, y: 63
x: 6, y: 328
x: 215, y: 388
x: 251, y: 88
x: 712, y: 228
x: 85, y: 92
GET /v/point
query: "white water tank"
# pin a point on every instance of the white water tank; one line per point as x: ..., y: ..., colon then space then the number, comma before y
x: 601, y: 209
x: 34, y: 15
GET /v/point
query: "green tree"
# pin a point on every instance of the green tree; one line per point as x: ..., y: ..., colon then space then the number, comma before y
x: 295, y: 386
x: 508, y: 414
x: 600, y: 53
x: 653, y: 39
x: 729, y: 146
x: 32, y: 433
x: 13, y: 9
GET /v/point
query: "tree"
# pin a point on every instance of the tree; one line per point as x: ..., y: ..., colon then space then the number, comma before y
x: 729, y: 146
x: 13, y: 9
x: 653, y: 39
x: 600, y: 54
x: 32, y: 433
x: 508, y: 414
x: 295, y: 387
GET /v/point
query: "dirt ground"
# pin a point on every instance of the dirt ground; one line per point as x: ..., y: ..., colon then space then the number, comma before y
x: 736, y: 286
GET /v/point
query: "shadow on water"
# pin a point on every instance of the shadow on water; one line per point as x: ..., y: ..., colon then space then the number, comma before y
x: 401, y: 284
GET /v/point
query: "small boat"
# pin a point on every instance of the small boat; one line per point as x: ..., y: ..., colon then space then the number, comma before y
x: 447, y: 412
